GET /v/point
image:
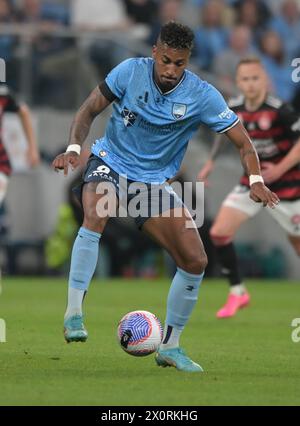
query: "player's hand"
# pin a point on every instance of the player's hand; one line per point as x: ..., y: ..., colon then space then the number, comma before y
x: 261, y: 194
x: 205, y: 171
x: 33, y: 157
x: 62, y: 161
x: 270, y: 172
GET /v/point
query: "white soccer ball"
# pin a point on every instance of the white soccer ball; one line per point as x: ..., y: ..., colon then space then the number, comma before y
x: 140, y: 333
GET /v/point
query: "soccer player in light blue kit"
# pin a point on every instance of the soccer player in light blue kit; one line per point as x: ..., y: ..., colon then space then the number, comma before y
x: 157, y: 107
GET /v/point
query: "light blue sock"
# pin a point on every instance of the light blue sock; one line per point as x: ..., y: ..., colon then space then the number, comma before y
x: 182, y: 298
x: 83, y: 264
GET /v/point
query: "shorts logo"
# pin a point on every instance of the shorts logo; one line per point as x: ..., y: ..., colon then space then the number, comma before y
x: 103, y: 169
x: 129, y: 117
x: 100, y: 171
x: 179, y: 110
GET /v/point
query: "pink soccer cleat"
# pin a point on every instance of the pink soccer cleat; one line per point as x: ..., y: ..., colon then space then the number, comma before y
x: 233, y: 304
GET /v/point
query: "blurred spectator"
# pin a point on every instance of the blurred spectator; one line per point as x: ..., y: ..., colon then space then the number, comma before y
x: 201, y: 3
x: 141, y: 11
x: 7, y: 16
x: 169, y: 10
x: 254, y: 14
x: 45, y: 19
x: 212, y: 37
x: 224, y: 65
x: 101, y: 16
x: 98, y: 15
x: 275, y: 6
x: 276, y: 66
x: 45, y: 14
x: 287, y: 25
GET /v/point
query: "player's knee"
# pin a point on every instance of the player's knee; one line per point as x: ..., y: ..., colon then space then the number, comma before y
x: 93, y: 222
x: 195, y: 263
x: 219, y: 239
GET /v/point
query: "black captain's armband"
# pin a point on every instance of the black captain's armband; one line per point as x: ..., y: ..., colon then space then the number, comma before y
x: 106, y: 92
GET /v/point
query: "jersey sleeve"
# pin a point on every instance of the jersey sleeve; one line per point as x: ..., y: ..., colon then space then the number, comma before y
x: 215, y: 112
x: 290, y: 120
x: 117, y: 80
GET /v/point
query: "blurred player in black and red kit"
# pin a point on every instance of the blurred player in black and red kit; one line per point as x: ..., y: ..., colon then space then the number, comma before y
x: 274, y: 128
x: 8, y: 103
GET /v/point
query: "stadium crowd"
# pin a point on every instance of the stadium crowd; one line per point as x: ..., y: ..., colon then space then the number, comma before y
x: 105, y: 32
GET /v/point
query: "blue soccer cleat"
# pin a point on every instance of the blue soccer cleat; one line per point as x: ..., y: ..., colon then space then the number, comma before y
x: 74, y: 330
x: 177, y: 358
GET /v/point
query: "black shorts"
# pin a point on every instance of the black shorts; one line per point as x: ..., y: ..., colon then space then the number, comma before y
x: 153, y: 200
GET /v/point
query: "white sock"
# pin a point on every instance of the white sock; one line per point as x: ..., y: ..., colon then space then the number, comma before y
x: 75, y: 298
x: 238, y: 290
x: 172, y: 339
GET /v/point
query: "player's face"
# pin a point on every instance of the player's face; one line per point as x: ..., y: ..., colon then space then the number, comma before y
x: 169, y: 65
x: 251, y: 80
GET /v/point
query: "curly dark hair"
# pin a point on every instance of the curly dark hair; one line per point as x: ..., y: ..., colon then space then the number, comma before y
x: 176, y: 35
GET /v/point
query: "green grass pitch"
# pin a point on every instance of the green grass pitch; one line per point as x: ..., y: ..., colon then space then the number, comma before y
x: 248, y: 360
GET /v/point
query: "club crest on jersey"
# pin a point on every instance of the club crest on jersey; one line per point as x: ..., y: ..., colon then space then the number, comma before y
x: 179, y: 110
x: 264, y: 122
x: 129, y: 117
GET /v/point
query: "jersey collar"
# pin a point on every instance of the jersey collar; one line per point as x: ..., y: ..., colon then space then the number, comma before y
x: 170, y: 91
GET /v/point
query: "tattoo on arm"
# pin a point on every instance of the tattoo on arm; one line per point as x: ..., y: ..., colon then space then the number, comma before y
x: 245, y: 156
x: 82, y: 122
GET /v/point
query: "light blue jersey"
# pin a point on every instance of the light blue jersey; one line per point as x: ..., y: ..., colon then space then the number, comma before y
x: 148, y: 132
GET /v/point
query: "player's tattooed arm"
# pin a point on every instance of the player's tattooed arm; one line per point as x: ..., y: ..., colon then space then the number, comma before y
x: 92, y: 106
x: 246, y: 154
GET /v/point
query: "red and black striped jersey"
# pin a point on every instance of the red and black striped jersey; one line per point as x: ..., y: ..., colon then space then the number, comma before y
x: 273, y: 128
x: 7, y: 104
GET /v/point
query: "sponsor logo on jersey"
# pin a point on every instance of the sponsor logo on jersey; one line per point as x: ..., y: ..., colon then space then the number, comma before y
x: 265, y: 147
x: 179, y: 110
x: 129, y: 117
x: 227, y: 113
x: 250, y: 126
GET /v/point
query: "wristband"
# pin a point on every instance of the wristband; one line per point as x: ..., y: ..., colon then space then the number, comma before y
x: 255, y: 178
x: 74, y: 148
